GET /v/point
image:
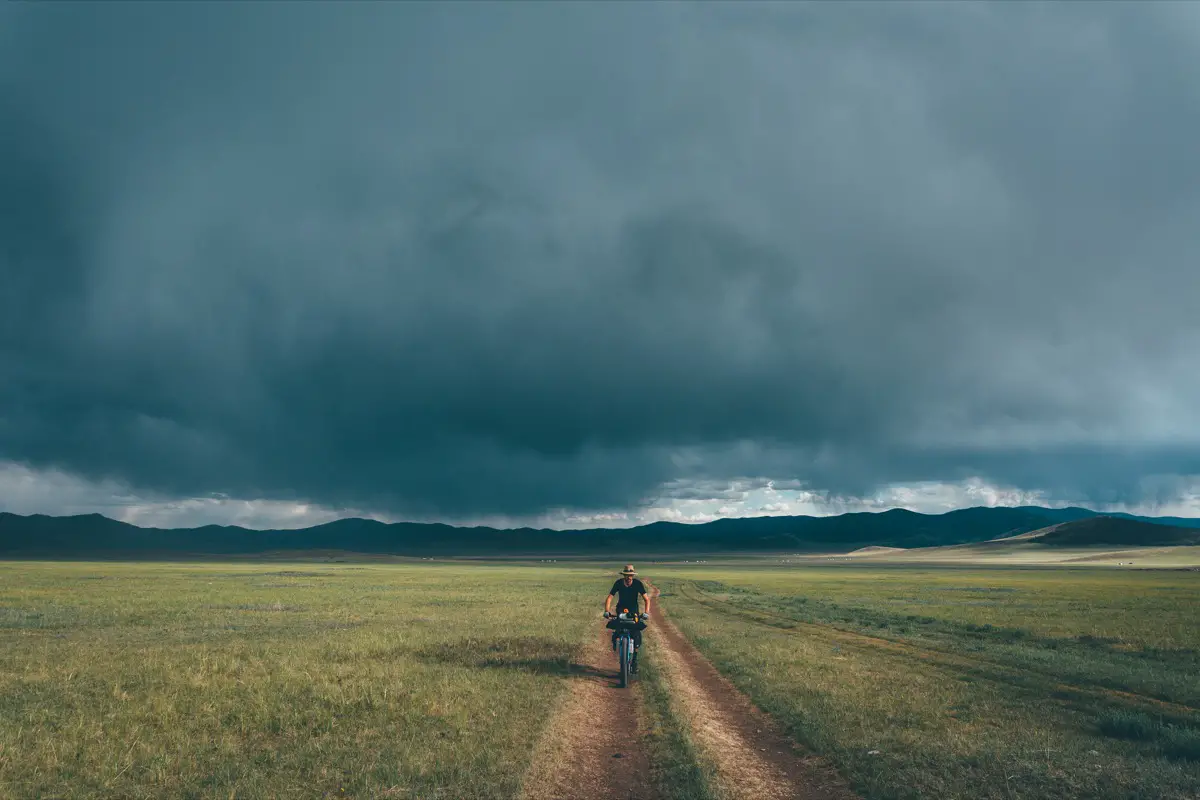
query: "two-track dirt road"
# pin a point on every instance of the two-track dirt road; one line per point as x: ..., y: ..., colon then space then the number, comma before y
x: 592, y: 750
x: 592, y: 747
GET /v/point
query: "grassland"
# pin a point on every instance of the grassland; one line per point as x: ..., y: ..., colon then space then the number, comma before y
x: 268, y: 680
x: 435, y: 680
x: 969, y: 683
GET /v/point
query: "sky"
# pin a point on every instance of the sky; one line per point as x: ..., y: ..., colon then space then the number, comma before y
x: 577, y: 264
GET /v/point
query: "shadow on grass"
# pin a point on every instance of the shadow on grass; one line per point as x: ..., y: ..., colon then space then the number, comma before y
x: 526, y: 653
x: 1181, y: 742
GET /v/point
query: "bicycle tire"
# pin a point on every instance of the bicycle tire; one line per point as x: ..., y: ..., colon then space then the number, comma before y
x: 623, y: 651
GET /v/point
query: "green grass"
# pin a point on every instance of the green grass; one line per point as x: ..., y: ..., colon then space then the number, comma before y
x: 434, y: 680
x: 262, y: 680
x: 972, y: 683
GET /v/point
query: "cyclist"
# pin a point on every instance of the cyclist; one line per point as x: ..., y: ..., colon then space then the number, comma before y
x: 627, y: 589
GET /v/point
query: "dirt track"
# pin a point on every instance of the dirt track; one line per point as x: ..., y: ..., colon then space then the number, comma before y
x: 752, y: 759
x: 592, y: 748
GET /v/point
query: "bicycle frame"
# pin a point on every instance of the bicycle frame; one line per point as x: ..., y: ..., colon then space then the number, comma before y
x: 625, y: 648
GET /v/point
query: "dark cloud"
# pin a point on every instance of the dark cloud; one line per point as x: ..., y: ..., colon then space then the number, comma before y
x: 506, y: 258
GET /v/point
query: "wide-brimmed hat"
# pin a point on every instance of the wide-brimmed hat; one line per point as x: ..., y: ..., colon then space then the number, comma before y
x: 629, y: 570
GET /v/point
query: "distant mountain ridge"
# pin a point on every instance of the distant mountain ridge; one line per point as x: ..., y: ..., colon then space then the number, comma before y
x: 97, y: 535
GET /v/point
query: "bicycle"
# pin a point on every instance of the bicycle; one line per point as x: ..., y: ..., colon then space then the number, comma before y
x: 626, y: 621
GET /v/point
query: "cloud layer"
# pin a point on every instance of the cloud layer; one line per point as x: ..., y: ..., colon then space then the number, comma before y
x: 505, y: 259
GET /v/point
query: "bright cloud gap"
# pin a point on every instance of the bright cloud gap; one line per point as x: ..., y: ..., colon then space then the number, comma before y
x: 28, y: 491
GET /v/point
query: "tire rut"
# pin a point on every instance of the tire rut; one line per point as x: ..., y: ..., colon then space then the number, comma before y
x: 1012, y: 676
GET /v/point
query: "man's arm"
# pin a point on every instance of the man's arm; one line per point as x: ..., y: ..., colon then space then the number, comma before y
x: 608, y: 602
x: 646, y: 600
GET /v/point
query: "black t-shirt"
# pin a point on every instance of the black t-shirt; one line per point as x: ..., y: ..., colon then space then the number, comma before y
x: 627, y: 596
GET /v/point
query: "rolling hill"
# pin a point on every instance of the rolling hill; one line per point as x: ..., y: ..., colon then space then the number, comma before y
x: 94, y: 535
x: 1109, y: 531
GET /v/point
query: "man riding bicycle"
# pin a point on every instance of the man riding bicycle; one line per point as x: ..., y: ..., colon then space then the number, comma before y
x: 627, y: 590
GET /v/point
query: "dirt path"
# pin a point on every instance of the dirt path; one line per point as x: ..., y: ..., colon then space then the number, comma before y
x: 752, y: 759
x: 591, y: 749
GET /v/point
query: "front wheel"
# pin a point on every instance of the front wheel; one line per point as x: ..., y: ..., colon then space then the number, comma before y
x: 624, y: 645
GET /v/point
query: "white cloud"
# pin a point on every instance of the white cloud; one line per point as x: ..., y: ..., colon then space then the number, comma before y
x: 28, y: 491
x: 228, y: 511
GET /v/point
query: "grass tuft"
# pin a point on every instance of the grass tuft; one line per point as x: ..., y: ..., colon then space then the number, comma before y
x: 1134, y: 726
x: 1181, y: 743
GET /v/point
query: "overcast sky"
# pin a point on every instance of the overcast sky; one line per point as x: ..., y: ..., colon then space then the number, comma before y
x: 567, y: 263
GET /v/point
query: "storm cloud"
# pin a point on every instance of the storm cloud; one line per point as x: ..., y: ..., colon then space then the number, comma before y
x: 499, y: 258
